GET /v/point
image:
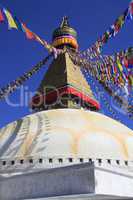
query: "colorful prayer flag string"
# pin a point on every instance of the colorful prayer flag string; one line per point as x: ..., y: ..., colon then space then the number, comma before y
x: 15, y: 23
x: 114, y: 29
x: 12, y: 86
x: 102, y: 70
x: 114, y: 111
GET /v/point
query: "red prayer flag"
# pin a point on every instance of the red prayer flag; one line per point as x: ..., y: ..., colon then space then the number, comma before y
x: 117, y: 27
x: 115, y: 69
x: 130, y: 61
x: 29, y: 34
x: 1, y: 16
x: 125, y: 62
x: 131, y: 7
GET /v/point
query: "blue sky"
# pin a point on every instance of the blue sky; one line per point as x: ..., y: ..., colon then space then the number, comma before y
x: 90, y: 18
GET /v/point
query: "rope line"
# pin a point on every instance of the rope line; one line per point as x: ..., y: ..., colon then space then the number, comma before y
x: 13, y: 85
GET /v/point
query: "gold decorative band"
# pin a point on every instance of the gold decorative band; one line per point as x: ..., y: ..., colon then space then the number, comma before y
x: 65, y: 40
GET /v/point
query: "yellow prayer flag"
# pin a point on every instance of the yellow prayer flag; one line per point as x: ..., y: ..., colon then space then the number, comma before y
x: 119, y: 65
x: 10, y: 19
x: 131, y: 80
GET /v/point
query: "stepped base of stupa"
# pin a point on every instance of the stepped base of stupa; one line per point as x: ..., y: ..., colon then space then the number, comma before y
x: 83, y: 181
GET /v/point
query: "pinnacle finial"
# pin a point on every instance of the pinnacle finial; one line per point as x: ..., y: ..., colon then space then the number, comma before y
x: 64, y: 22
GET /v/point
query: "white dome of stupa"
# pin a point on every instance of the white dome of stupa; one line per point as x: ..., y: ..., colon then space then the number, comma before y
x: 66, y: 133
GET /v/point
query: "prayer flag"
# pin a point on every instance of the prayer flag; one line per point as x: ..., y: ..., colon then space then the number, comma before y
x: 130, y: 61
x: 120, y: 20
x: 115, y: 69
x: 129, y: 16
x: 130, y: 78
x: 130, y: 66
x: 117, y: 26
x: 29, y: 34
x: 105, y: 37
x: 11, y: 22
x: 111, y: 31
x: 125, y: 13
x: 125, y: 62
x: 125, y: 70
x: 1, y: 16
x: 119, y: 66
x: 131, y: 8
x: 18, y: 23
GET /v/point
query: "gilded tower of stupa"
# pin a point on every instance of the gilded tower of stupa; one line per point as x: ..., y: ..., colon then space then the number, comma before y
x: 64, y: 85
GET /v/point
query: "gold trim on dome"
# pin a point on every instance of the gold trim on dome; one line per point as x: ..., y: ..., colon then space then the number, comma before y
x: 65, y: 40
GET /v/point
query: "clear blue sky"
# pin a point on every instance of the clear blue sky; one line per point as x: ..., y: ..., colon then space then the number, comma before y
x: 17, y: 54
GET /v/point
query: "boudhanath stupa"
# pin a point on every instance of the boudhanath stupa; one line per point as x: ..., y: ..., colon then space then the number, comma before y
x: 65, y: 149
